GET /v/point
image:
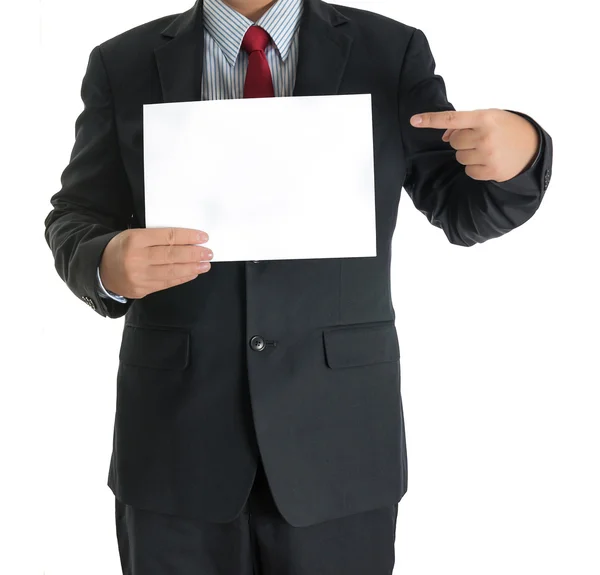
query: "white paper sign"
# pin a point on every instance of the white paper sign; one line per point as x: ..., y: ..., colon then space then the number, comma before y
x: 266, y: 178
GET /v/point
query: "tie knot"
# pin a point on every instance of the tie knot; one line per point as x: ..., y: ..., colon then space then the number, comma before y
x: 256, y: 38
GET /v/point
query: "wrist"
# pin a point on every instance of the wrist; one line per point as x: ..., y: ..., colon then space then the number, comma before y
x: 104, y: 291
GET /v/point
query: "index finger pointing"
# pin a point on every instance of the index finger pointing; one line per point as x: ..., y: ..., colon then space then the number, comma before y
x: 174, y: 237
x: 450, y: 119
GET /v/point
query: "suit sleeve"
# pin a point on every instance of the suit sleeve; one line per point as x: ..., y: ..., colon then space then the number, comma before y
x: 469, y: 211
x: 95, y: 201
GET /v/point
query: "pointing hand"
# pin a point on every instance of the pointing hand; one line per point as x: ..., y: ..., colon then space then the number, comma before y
x: 492, y: 144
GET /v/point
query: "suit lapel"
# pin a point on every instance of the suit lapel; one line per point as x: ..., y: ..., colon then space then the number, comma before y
x: 324, y: 50
x: 323, y: 53
x: 180, y: 60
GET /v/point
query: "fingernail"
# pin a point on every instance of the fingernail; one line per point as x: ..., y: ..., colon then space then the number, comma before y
x: 203, y: 267
x: 416, y: 120
x: 202, y: 237
x: 209, y: 255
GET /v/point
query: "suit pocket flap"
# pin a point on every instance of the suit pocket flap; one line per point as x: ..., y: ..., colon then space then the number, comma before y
x: 352, y: 346
x: 155, y: 347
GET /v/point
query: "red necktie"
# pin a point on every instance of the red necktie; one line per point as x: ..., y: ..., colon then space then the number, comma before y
x: 259, y: 83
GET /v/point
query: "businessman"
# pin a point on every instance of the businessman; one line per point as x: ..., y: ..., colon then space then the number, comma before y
x: 259, y: 425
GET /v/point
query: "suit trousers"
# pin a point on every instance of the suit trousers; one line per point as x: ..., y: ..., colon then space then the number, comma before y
x: 257, y: 542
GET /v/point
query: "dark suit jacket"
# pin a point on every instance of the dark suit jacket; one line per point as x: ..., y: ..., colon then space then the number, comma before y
x: 196, y: 402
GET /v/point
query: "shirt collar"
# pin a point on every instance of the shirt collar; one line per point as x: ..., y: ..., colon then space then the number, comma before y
x: 228, y: 27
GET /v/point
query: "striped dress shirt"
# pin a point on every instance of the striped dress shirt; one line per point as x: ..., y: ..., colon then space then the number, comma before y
x: 225, y: 63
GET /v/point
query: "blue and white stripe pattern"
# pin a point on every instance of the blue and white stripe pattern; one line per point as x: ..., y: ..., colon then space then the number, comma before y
x: 225, y: 64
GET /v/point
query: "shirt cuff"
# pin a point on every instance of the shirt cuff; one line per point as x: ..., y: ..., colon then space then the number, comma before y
x: 535, y: 162
x: 103, y: 292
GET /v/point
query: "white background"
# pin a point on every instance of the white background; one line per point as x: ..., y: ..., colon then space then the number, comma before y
x: 499, y: 342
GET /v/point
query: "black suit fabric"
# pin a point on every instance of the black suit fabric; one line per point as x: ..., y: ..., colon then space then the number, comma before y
x: 321, y: 403
x: 258, y: 542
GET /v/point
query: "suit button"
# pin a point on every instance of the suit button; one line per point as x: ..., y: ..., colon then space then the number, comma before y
x: 255, y: 262
x: 547, y: 179
x: 257, y: 343
x: 89, y: 301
